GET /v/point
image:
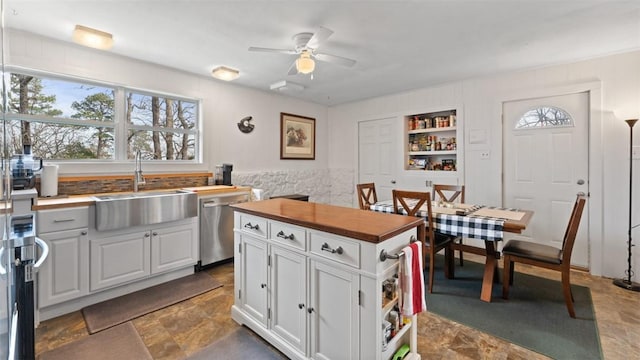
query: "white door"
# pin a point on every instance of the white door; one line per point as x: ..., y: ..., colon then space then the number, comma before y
x: 254, y: 279
x: 546, y: 165
x: 376, y: 151
x: 289, y: 297
x: 334, y: 311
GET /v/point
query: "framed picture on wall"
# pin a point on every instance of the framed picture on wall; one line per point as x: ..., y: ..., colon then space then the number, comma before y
x: 297, y: 137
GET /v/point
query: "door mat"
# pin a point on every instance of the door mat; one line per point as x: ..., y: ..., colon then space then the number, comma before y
x: 241, y: 344
x: 118, y: 342
x: 112, y: 312
x: 535, y: 315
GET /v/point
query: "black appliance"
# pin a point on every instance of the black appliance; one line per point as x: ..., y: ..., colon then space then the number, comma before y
x: 22, y: 247
x: 23, y: 169
x: 223, y: 174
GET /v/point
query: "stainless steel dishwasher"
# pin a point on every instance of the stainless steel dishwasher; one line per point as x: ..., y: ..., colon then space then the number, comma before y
x: 216, y: 227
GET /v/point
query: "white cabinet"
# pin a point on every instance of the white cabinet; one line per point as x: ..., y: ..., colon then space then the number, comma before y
x: 173, y: 247
x: 122, y: 256
x: 334, y: 310
x: 119, y: 259
x: 289, y: 296
x: 254, y: 292
x: 314, y: 294
x: 64, y: 275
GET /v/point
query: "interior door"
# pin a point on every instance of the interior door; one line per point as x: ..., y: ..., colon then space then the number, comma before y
x: 376, y: 149
x: 546, y: 164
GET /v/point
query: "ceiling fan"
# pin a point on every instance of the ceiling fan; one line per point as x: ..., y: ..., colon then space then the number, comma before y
x: 306, y: 46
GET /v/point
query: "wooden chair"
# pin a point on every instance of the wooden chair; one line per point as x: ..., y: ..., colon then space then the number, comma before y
x: 367, y: 195
x: 434, y: 241
x: 451, y: 193
x: 545, y: 256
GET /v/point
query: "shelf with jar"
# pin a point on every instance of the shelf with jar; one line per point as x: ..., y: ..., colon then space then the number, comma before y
x: 432, y: 141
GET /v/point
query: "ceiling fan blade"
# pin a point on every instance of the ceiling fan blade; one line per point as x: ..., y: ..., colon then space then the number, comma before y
x: 282, y: 51
x: 319, y: 37
x: 335, y: 59
x: 293, y: 70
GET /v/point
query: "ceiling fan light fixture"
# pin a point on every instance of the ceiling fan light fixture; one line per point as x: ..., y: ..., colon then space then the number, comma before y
x: 225, y: 73
x: 305, y: 63
x: 92, y: 38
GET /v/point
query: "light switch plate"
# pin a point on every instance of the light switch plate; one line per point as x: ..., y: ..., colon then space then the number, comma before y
x: 635, y: 153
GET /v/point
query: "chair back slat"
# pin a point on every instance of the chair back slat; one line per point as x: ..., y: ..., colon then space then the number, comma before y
x: 402, y: 199
x: 367, y: 195
x: 572, y: 229
x: 448, y: 193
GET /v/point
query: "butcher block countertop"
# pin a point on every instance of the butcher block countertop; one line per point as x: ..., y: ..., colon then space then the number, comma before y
x: 358, y: 224
x: 88, y: 200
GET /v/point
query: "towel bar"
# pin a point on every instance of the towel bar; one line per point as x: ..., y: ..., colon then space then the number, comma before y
x: 384, y: 256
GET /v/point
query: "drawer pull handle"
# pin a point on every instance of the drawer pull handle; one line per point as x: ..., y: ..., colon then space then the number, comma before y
x: 326, y: 247
x: 286, y: 237
x: 83, y: 233
x: 146, y: 235
x: 63, y: 220
x: 252, y: 227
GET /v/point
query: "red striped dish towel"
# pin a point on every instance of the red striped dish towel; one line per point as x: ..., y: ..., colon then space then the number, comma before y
x: 412, y: 299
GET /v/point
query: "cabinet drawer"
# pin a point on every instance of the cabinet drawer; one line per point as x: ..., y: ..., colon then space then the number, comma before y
x: 62, y: 219
x: 289, y: 235
x: 339, y: 249
x: 253, y: 225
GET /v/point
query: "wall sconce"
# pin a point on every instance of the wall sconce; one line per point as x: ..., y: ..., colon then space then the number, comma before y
x: 92, y: 38
x: 225, y: 73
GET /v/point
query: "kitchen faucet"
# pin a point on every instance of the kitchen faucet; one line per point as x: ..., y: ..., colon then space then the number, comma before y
x: 138, y: 179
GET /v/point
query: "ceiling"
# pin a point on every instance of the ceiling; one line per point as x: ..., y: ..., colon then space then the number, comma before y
x: 398, y: 45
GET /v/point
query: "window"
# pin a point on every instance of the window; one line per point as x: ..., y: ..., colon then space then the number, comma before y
x: 163, y: 128
x: 544, y: 116
x: 60, y: 119
x: 70, y: 120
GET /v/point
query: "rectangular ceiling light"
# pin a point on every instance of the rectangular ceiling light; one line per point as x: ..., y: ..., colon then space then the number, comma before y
x: 285, y: 85
x: 225, y: 73
x: 92, y: 38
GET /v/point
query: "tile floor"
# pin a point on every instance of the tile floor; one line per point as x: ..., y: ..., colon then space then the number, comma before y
x: 182, y: 329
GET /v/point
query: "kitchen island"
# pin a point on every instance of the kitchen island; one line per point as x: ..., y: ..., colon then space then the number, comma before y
x: 310, y: 279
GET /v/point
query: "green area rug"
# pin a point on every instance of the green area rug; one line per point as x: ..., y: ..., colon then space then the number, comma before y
x: 534, y: 317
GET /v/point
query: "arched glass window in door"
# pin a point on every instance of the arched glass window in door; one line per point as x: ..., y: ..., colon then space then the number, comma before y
x: 543, y: 117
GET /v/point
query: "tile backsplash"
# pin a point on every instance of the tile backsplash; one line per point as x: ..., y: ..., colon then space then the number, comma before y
x: 82, y: 185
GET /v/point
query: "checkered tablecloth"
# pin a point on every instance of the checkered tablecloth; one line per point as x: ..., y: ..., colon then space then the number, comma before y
x: 468, y: 226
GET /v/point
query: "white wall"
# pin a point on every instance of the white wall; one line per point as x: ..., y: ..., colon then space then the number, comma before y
x: 616, y: 80
x: 223, y: 106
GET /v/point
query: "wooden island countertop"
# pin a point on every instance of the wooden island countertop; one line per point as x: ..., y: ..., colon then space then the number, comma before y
x: 359, y: 224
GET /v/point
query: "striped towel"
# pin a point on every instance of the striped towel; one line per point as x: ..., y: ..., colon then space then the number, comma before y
x: 412, y: 300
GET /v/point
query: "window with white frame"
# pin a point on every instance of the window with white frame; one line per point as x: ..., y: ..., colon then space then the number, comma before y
x: 67, y: 119
x: 544, y: 116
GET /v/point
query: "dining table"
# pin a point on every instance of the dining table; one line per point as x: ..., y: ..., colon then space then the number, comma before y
x: 486, y: 223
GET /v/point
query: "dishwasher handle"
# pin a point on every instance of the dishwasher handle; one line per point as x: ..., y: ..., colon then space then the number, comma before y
x: 216, y: 204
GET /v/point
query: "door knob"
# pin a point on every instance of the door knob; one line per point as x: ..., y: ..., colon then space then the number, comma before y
x: 393, y: 181
x: 580, y: 193
x: 310, y: 310
x: 580, y: 182
x: 300, y: 306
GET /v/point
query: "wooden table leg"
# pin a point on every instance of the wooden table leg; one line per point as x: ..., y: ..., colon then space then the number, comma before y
x: 489, y: 270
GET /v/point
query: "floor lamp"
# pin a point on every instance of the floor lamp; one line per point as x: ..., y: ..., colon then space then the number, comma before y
x: 627, y: 283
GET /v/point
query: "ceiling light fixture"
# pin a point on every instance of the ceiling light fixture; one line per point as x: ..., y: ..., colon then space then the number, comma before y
x: 305, y: 63
x: 225, y: 73
x: 285, y: 85
x: 92, y: 38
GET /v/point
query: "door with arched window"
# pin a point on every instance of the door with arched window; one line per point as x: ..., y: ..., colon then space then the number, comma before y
x: 545, y: 164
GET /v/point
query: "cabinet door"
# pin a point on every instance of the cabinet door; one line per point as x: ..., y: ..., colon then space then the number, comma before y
x: 65, y: 273
x: 119, y: 259
x: 288, y: 296
x: 253, y: 297
x: 173, y: 247
x: 334, y: 312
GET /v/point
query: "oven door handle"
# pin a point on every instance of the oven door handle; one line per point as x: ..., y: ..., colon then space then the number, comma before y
x: 45, y: 252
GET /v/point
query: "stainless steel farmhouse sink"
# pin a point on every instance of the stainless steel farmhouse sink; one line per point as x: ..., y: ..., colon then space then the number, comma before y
x: 117, y: 211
